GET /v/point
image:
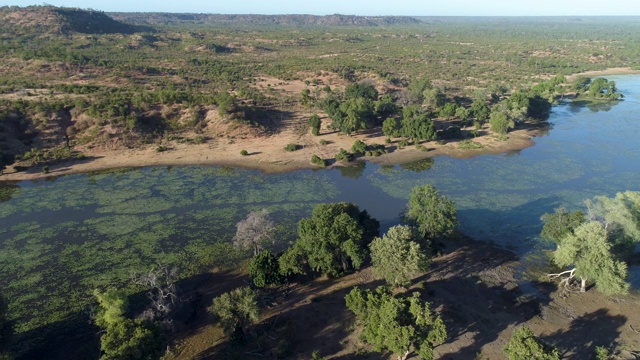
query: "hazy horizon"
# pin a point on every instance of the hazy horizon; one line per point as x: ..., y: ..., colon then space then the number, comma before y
x: 359, y: 7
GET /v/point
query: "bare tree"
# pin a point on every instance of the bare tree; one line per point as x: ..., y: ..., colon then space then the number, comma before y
x: 163, y: 293
x: 254, y: 232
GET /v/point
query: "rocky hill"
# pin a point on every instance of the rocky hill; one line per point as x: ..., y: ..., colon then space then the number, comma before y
x: 292, y: 20
x: 50, y: 20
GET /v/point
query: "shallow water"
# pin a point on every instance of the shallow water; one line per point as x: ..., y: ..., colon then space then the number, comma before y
x: 60, y: 238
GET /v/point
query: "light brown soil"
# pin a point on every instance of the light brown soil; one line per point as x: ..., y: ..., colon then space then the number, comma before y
x: 610, y: 71
x: 474, y: 288
x: 267, y: 153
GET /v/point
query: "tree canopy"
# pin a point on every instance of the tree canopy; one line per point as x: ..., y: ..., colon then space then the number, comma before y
x: 524, y: 345
x: 560, y: 224
x: 237, y: 310
x: 399, y: 255
x: 333, y: 240
x: 399, y: 324
x: 588, y: 250
x: 434, y: 215
x: 264, y: 269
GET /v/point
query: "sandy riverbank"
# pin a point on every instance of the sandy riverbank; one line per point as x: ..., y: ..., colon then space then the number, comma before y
x: 267, y: 153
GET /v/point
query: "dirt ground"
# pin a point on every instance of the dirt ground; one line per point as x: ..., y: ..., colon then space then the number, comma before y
x: 473, y: 286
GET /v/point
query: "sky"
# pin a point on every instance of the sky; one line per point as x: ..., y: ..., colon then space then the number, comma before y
x: 361, y: 7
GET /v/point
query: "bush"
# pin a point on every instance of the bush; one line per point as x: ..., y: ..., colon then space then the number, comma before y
x: 359, y: 147
x: 323, y: 142
x: 469, y: 145
x: 315, y: 159
x: 244, y: 153
x: 343, y: 155
x: 291, y: 147
x: 161, y: 148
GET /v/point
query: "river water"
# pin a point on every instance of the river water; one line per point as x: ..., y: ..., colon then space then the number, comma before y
x: 60, y: 238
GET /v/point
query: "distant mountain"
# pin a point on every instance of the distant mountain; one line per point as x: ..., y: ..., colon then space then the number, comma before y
x: 42, y: 20
x: 294, y: 20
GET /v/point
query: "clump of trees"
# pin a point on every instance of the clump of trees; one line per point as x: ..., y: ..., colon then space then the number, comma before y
x: 333, y: 240
x: 599, y: 88
x: 400, y: 324
x: 593, y: 247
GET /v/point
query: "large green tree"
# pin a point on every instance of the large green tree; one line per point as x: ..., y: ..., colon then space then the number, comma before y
x: 399, y: 255
x: 434, y: 215
x: 264, y: 269
x: 524, y: 345
x: 237, y: 310
x: 588, y: 251
x: 400, y: 324
x: 416, y: 124
x: 333, y: 240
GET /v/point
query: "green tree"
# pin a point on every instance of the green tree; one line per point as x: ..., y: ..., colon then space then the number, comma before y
x: 124, y: 338
x: 500, y: 122
x: 361, y: 90
x: 603, y: 88
x: 588, y: 250
x: 359, y: 147
x: 480, y: 110
x: 559, y: 224
x: 264, y: 269
x: 333, y: 240
x: 448, y: 111
x: 357, y: 114
x: 399, y: 255
x: 400, y: 324
x: 390, y: 128
x: 622, y: 215
x: 315, y: 122
x: 524, y: 345
x: 416, y: 125
x: 385, y: 107
x: 434, y: 98
x: 434, y: 215
x: 237, y: 310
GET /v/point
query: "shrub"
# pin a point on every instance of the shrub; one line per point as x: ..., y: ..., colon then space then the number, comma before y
x: 323, y: 142
x: 359, y: 147
x: 161, y: 148
x: 343, y: 155
x: 291, y: 147
x: 244, y: 153
x: 469, y: 145
x: 315, y: 159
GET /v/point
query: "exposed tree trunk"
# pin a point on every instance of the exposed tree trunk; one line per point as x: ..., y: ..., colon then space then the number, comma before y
x: 583, y: 284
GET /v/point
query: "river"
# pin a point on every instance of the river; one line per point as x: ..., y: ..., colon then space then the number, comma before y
x: 62, y: 237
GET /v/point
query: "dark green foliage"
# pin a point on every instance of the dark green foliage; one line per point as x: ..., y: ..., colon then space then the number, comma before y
x: 333, y: 240
x: 244, y: 152
x: 399, y: 324
x: 291, y: 147
x: 237, y: 310
x: 524, y: 345
x: 500, y: 122
x: 390, y: 127
x: 343, y: 155
x: 317, y: 160
x: 448, y: 111
x: 356, y: 114
x: 452, y: 132
x: 386, y: 107
x: 359, y: 147
x: 264, y: 269
x: 315, y: 122
x: 124, y: 338
x: 434, y: 215
x: 361, y: 90
x: 604, y: 89
x: 416, y: 125
x: 480, y: 110
x: 560, y: 224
